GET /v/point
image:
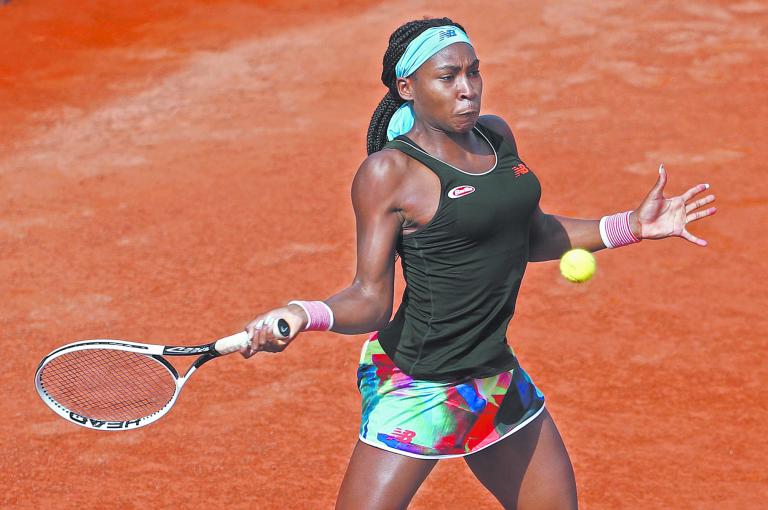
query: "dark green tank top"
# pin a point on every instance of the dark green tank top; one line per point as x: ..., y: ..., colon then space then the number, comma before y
x: 463, y: 269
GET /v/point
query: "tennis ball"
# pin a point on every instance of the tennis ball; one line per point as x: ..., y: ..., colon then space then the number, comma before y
x: 578, y: 265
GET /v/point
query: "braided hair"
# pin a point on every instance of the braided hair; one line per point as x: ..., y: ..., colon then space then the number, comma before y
x: 398, y: 42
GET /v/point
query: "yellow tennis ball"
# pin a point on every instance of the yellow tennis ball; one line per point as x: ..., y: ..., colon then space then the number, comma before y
x: 578, y: 265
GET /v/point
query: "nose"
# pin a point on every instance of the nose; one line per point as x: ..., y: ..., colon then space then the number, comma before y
x: 467, y: 90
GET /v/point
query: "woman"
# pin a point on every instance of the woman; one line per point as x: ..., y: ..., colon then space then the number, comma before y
x: 444, y: 188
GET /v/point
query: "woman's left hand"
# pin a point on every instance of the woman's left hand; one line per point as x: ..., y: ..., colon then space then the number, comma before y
x: 262, y: 334
x: 660, y: 217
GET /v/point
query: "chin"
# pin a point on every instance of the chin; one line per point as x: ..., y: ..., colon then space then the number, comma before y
x: 466, y: 126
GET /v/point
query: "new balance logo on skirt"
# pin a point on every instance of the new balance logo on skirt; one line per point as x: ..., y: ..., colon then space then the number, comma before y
x: 402, y: 436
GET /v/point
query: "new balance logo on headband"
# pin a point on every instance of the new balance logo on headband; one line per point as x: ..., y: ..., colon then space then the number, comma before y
x: 445, y: 34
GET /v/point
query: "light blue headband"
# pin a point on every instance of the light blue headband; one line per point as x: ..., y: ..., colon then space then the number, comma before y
x: 419, y: 51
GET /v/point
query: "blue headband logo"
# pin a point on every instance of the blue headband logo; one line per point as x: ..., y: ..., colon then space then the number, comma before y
x: 445, y: 34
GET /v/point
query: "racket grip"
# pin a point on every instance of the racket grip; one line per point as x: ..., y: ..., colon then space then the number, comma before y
x: 239, y: 341
x: 233, y: 343
x: 281, y: 329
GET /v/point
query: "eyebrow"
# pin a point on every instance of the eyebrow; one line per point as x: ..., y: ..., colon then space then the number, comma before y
x: 452, y: 67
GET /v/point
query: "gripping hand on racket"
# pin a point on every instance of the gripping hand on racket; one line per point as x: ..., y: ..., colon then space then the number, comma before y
x: 261, y: 330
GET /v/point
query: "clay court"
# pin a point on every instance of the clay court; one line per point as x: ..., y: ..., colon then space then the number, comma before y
x: 169, y: 169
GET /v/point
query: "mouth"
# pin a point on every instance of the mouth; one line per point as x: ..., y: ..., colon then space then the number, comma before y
x: 469, y: 112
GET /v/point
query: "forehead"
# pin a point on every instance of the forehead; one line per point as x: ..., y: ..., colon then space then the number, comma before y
x: 459, y: 54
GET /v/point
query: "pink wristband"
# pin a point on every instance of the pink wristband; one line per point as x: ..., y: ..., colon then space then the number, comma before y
x: 320, y: 315
x: 616, y: 231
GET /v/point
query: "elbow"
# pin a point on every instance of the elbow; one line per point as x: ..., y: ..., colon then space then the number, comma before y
x: 369, y: 307
x: 378, y: 305
x: 380, y: 318
x: 367, y: 321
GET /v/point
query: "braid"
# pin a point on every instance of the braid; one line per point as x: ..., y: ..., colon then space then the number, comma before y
x: 377, y: 129
x: 398, y: 42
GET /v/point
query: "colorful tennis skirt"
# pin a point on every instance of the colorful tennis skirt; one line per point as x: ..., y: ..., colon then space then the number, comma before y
x: 431, y: 419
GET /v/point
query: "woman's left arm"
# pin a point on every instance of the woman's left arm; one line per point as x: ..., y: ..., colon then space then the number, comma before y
x: 551, y: 236
x: 657, y: 217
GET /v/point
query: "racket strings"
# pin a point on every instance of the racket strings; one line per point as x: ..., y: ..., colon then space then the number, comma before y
x: 107, y: 384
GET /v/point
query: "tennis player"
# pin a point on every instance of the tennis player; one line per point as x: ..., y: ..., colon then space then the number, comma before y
x: 445, y: 188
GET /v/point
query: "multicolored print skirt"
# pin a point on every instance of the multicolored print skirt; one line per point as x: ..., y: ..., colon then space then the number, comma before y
x: 431, y: 419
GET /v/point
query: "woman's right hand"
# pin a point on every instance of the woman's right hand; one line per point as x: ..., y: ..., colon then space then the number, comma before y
x: 261, y: 329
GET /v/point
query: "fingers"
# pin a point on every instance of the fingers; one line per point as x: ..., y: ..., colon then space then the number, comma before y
x: 694, y: 191
x: 703, y: 201
x: 261, y: 331
x: 700, y: 214
x: 259, y: 336
x: 692, y: 238
x: 693, y: 215
x: 658, y: 188
x: 252, y: 329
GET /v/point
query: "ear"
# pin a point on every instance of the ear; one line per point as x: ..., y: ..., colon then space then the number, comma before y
x: 405, y: 88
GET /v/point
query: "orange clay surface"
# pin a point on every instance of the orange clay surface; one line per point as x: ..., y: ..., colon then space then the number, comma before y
x: 169, y: 169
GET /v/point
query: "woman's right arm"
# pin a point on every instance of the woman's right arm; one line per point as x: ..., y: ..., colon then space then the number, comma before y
x: 366, y: 304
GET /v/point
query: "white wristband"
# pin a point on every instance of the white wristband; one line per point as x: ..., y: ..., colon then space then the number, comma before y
x: 603, y: 234
x: 616, y: 231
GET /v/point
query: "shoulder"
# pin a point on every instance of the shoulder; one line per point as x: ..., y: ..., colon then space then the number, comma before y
x: 500, y: 126
x: 380, y: 175
x: 386, y: 166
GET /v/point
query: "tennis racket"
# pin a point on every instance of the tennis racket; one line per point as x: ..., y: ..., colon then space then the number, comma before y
x: 119, y: 385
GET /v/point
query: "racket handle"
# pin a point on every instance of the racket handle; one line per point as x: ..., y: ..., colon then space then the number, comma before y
x: 233, y: 343
x: 281, y: 329
x: 240, y: 341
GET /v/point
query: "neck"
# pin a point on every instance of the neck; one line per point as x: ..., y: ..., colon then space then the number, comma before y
x: 430, y: 136
x: 438, y: 142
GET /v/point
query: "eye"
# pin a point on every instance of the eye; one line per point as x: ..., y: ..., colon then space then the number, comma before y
x: 446, y: 77
x: 476, y: 72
